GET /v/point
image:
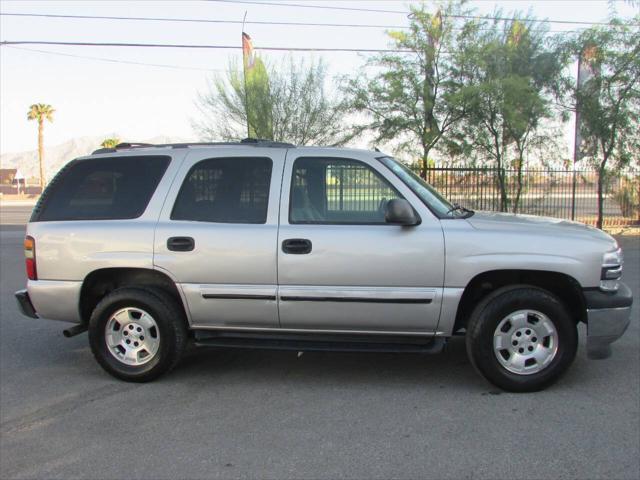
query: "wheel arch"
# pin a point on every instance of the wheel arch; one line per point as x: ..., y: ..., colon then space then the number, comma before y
x: 564, y: 286
x: 101, y: 282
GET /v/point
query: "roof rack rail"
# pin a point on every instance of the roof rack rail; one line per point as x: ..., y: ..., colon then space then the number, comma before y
x: 258, y: 142
x: 266, y: 143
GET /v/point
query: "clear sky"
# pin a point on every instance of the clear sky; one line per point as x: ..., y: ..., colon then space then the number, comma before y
x: 137, y: 102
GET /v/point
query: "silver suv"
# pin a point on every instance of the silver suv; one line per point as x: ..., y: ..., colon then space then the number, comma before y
x: 264, y: 245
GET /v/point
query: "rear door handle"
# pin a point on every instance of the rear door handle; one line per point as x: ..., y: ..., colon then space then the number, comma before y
x: 296, y: 246
x: 181, y: 244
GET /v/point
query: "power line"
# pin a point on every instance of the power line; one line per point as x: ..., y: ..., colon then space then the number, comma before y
x: 373, y: 10
x: 201, y: 20
x: 199, y: 46
x: 113, y: 60
x: 215, y: 21
x: 283, y: 23
x: 278, y: 4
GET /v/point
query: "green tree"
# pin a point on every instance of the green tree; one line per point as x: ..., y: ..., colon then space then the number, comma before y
x: 512, y: 76
x: 412, y: 96
x: 258, y: 99
x: 292, y: 106
x: 41, y: 112
x: 110, y: 142
x: 609, y: 103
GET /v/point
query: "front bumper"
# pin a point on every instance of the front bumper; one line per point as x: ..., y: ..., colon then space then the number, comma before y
x: 608, y: 316
x: 25, y: 305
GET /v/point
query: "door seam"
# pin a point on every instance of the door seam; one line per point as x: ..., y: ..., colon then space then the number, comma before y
x: 284, y: 169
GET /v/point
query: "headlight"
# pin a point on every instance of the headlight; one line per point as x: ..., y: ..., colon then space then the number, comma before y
x: 611, y: 270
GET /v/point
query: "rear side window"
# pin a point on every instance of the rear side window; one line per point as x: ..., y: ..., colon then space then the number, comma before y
x: 225, y: 190
x: 102, y: 189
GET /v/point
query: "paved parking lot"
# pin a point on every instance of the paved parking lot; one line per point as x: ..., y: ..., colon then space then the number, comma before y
x: 274, y: 415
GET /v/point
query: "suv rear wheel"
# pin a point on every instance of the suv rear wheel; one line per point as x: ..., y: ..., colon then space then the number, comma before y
x: 137, y: 334
x: 521, y: 338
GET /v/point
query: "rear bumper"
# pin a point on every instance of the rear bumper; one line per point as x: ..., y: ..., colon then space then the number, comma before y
x: 55, y: 299
x: 25, y: 305
x: 608, y: 316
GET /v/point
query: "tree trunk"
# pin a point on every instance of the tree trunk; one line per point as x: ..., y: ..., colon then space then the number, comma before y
x: 601, y: 173
x: 516, y: 201
x: 504, y: 200
x: 424, y: 163
x: 41, y: 150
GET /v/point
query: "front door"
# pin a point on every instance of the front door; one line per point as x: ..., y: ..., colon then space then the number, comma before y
x: 340, y: 266
x: 217, y: 236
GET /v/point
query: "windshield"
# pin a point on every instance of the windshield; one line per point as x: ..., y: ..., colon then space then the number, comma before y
x: 429, y: 195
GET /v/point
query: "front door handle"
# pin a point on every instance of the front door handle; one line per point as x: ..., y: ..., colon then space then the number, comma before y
x: 296, y: 246
x: 181, y: 244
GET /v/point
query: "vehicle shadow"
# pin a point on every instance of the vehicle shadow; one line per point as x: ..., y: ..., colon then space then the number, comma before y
x: 450, y: 368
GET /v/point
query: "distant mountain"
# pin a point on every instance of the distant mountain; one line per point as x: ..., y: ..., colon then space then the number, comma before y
x: 57, y: 156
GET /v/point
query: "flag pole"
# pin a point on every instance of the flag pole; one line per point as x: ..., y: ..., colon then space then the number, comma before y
x: 244, y: 71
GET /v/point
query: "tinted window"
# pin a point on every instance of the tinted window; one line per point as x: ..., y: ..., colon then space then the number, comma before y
x: 225, y: 190
x: 335, y: 190
x: 102, y: 189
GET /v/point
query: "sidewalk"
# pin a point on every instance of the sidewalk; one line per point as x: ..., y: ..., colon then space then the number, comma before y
x: 18, y: 203
x: 18, y: 200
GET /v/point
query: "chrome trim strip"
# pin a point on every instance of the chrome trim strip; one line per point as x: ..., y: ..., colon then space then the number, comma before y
x: 357, y: 294
x: 237, y: 296
x: 235, y: 291
x: 354, y: 299
x: 313, y: 293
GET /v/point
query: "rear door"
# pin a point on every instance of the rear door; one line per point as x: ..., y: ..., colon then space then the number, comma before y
x: 340, y: 266
x: 217, y: 235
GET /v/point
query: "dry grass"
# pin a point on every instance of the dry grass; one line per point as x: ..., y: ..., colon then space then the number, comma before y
x: 627, y: 231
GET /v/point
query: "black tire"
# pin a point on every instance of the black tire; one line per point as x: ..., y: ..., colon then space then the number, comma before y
x: 485, y: 320
x: 171, y: 323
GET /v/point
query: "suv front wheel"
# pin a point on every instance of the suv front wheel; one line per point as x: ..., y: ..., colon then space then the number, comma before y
x: 137, y: 334
x: 521, y: 338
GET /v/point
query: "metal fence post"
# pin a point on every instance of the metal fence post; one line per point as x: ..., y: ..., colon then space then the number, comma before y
x: 573, y: 194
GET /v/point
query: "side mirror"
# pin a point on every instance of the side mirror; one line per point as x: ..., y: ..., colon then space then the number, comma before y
x: 400, y: 212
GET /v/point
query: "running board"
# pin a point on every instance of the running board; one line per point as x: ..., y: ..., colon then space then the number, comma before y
x: 306, y: 343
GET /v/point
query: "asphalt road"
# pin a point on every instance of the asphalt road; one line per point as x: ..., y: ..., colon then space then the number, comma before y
x: 274, y: 415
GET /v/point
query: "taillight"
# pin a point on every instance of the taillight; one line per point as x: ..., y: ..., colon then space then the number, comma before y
x: 30, y: 258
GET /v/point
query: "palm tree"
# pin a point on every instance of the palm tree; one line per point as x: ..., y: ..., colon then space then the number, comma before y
x: 110, y: 142
x: 40, y: 111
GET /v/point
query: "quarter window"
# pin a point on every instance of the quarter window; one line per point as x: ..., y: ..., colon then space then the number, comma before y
x: 225, y: 190
x: 101, y: 189
x: 338, y: 191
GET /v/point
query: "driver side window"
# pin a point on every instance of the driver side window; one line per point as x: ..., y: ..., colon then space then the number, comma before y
x: 338, y: 191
